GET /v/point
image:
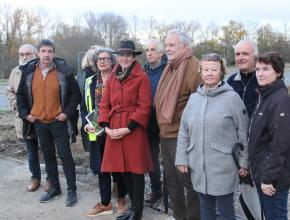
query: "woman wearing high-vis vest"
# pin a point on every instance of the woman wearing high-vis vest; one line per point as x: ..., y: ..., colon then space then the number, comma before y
x: 93, y: 91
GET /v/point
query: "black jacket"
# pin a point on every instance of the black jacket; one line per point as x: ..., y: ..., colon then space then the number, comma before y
x: 245, y: 86
x: 70, y: 95
x: 269, y: 137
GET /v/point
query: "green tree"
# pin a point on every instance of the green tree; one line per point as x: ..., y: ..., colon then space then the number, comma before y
x: 232, y: 33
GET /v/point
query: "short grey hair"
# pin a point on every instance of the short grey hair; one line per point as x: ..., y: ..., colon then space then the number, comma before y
x: 184, y: 38
x: 250, y: 42
x: 160, y: 45
x: 107, y: 50
x: 30, y: 47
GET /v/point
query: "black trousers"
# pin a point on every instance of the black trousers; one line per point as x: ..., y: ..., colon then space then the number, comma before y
x: 184, y: 200
x: 154, y: 140
x: 54, y: 137
x: 96, y: 156
x: 135, y: 184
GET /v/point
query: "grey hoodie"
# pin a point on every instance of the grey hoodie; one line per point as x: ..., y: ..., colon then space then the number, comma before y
x: 212, y: 122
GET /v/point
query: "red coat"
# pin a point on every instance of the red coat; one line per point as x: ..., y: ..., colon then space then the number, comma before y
x: 122, y: 102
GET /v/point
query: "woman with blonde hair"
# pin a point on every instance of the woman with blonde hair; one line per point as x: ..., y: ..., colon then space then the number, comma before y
x: 213, y: 121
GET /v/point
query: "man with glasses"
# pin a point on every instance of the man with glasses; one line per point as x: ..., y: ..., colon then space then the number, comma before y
x: 179, y: 79
x: 27, y: 52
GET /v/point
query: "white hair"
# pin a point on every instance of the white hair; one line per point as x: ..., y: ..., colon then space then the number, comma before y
x: 33, y: 51
x: 182, y: 36
x: 30, y: 47
x: 250, y: 42
x: 160, y: 46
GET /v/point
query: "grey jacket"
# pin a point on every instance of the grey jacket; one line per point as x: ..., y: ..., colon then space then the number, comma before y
x: 212, y: 122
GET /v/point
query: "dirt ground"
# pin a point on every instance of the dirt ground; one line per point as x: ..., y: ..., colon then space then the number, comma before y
x: 17, y: 203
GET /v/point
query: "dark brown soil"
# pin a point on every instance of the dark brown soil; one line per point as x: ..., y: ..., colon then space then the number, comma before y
x: 11, y: 146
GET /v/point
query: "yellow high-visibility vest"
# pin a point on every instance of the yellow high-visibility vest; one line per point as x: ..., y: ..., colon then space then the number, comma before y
x: 89, y: 105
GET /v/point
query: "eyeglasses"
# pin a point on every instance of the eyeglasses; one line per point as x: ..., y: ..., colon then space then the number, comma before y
x: 103, y: 59
x: 25, y: 54
x: 211, y: 57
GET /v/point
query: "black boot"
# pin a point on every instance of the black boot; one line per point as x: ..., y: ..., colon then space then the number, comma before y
x: 135, y: 216
x: 124, y: 216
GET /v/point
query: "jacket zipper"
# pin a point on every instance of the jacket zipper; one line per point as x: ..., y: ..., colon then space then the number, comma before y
x: 250, y: 127
x: 245, y: 86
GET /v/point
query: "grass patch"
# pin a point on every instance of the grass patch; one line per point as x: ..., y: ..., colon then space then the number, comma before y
x: 4, y: 111
x: 4, y: 80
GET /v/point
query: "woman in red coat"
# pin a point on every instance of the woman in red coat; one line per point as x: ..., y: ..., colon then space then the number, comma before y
x: 124, y: 112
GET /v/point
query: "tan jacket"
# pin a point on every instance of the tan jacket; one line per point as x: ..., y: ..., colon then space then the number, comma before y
x: 191, y: 81
x: 11, y: 90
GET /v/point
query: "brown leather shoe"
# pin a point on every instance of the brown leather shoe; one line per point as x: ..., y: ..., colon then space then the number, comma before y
x: 121, y: 205
x: 34, y: 185
x: 48, y: 185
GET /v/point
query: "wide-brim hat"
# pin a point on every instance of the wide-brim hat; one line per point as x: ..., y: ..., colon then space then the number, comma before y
x: 127, y: 46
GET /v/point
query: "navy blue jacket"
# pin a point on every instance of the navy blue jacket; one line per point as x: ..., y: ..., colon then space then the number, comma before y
x: 155, y: 74
x: 245, y: 86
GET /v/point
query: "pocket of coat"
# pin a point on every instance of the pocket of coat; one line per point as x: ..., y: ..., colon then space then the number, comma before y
x: 220, y: 148
x: 190, y: 148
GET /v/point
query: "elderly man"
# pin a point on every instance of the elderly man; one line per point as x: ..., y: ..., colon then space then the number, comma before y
x: 47, y: 97
x: 156, y: 61
x: 244, y: 82
x: 27, y: 52
x: 179, y: 79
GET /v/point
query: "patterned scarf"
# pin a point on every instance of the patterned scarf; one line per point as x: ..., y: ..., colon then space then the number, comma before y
x: 123, y: 75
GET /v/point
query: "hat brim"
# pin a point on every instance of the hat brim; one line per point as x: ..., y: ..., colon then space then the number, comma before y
x: 128, y: 51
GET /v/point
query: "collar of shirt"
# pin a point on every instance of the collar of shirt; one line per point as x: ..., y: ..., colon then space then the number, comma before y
x: 45, y: 70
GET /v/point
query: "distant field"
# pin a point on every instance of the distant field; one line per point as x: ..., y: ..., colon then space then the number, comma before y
x: 3, y: 80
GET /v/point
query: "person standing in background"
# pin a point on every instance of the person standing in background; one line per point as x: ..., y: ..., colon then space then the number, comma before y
x: 88, y: 68
x: 27, y: 52
x: 156, y: 61
x: 244, y: 82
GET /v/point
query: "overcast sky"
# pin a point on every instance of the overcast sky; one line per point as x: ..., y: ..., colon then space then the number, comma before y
x: 276, y: 12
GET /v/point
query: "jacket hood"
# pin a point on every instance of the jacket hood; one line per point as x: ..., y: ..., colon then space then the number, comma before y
x: 222, y: 87
x: 61, y: 65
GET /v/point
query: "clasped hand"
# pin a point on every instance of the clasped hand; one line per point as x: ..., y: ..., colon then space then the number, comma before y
x: 117, y: 133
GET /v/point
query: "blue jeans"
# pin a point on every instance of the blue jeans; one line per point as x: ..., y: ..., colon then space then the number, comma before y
x: 224, y: 205
x: 33, y: 158
x: 274, y: 207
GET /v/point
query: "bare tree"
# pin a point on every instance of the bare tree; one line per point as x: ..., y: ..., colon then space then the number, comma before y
x: 193, y: 28
x: 91, y: 21
x: 111, y: 28
x: 149, y: 26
